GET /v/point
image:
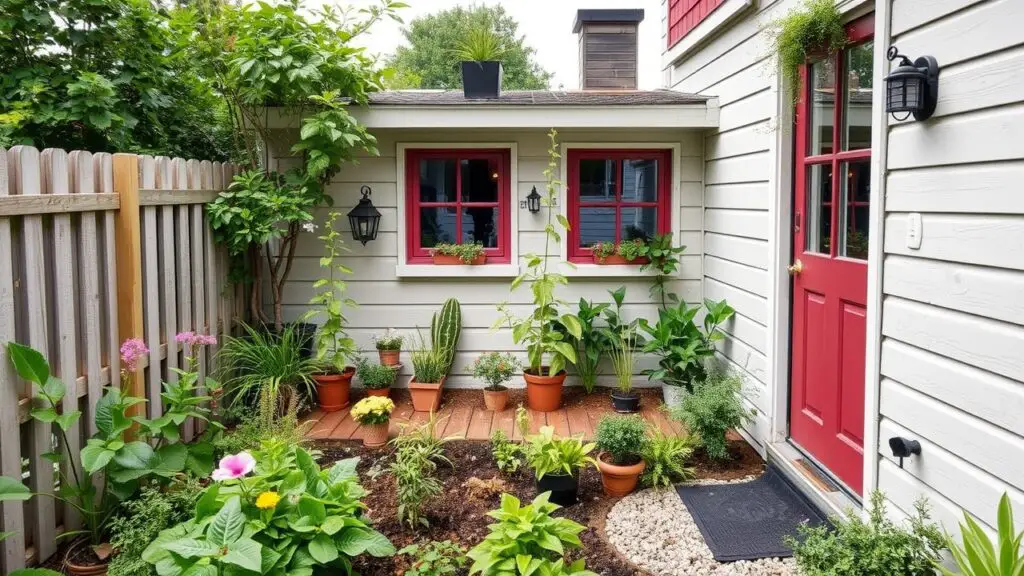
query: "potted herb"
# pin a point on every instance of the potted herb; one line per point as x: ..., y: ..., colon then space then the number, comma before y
x: 376, y: 378
x: 459, y: 254
x: 389, y: 347
x: 496, y: 368
x: 556, y: 463
x: 545, y: 332
x: 333, y: 345
x: 621, y: 441
x: 623, y: 356
x: 373, y: 414
x: 428, y: 375
x: 481, y: 70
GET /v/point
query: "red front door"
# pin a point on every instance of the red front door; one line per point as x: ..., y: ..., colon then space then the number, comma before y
x: 830, y: 240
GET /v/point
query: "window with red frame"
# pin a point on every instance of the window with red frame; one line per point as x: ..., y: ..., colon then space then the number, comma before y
x: 457, y: 197
x: 617, y: 196
x: 685, y: 15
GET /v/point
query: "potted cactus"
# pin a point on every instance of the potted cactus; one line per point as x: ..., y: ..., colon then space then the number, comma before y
x: 430, y: 365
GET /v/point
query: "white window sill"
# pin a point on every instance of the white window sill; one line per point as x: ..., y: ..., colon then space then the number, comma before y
x: 605, y: 271
x: 435, y: 271
x: 694, y: 38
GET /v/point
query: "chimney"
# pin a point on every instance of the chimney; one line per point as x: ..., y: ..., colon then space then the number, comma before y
x: 608, y: 48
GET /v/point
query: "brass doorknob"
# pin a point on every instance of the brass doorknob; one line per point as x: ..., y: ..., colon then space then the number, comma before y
x: 796, y: 268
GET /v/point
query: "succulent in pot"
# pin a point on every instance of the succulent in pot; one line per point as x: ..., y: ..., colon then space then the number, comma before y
x: 373, y: 414
x: 389, y: 347
x: 376, y: 378
x: 621, y: 441
x: 556, y: 463
x: 496, y: 368
x: 623, y: 357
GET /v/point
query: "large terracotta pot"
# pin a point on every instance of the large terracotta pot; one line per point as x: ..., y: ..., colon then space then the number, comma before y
x: 375, y: 435
x: 332, y: 390
x: 382, y: 392
x: 426, y: 397
x: 79, y: 569
x: 389, y: 357
x: 448, y: 260
x: 544, y: 393
x: 619, y: 480
x: 495, y: 400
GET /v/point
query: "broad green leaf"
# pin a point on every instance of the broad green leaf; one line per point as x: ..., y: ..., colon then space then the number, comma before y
x: 170, y: 459
x: 227, y: 525
x: 244, y: 553
x: 66, y: 421
x: 29, y: 363
x: 11, y: 489
x: 135, y: 455
x: 48, y: 415
x: 332, y: 525
x: 208, y: 505
x: 95, y: 456
x: 193, y: 548
x: 323, y: 549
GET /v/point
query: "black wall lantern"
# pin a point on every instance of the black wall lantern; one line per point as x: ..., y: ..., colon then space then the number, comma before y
x: 533, y: 201
x: 364, y: 219
x: 913, y: 87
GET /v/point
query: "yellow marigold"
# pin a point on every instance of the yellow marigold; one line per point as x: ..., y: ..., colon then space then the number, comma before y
x: 375, y: 408
x: 267, y: 500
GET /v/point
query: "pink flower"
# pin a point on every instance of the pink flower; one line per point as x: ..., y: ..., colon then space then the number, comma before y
x: 206, y: 339
x: 132, y: 350
x: 234, y: 467
x: 185, y: 337
x: 195, y: 339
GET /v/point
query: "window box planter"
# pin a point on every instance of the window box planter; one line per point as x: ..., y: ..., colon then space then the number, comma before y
x: 564, y: 488
x: 619, y: 480
x: 481, y: 79
x: 544, y: 392
x: 332, y: 390
x: 616, y: 260
x: 426, y: 397
x: 447, y: 260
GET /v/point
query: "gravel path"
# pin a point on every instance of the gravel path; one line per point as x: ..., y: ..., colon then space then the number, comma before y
x: 653, y: 529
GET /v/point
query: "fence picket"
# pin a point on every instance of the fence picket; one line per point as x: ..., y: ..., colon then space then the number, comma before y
x: 184, y: 272
x: 83, y: 182
x: 165, y: 181
x: 103, y: 164
x: 151, y: 289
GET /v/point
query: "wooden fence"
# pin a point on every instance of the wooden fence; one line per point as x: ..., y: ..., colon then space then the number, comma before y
x: 94, y: 249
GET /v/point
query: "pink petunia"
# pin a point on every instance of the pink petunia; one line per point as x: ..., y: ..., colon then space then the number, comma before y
x: 132, y: 351
x: 234, y: 467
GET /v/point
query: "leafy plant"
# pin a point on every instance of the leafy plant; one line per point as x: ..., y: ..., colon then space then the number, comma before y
x: 425, y: 439
x: 603, y: 250
x: 445, y: 329
x: 665, y: 457
x: 548, y: 454
x: 632, y: 250
x: 495, y: 368
x: 978, y: 556
x: 375, y: 376
x: 435, y: 558
x: 875, y: 547
x: 591, y: 344
x: 266, y: 426
x: 528, y: 540
x: 138, y: 521
x: 280, y: 514
x: 813, y: 29
x: 334, y: 347
x: 428, y: 364
x: 373, y: 410
x: 389, y: 340
x: 681, y: 345
x: 538, y: 329
x: 259, y: 359
x: 480, y: 45
x: 712, y: 410
x: 414, y: 470
x: 623, y: 438
x: 623, y: 356
x: 466, y: 253
x: 663, y: 258
x: 508, y: 455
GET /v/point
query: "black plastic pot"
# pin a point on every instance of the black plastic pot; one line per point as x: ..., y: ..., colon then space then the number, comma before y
x: 564, y: 488
x: 305, y: 333
x: 626, y: 402
x: 481, y: 79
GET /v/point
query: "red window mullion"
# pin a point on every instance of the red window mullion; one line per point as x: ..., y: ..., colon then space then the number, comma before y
x: 619, y: 183
x: 458, y: 200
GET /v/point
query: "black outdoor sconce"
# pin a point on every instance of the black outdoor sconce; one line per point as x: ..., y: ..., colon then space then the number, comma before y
x: 913, y: 87
x: 904, y: 448
x: 533, y: 201
x: 364, y: 219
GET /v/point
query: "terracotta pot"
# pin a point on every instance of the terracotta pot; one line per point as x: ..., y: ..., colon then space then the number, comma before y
x: 495, y: 400
x: 383, y: 392
x: 544, y: 393
x: 445, y: 260
x: 389, y: 357
x: 426, y: 397
x: 332, y: 390
x: 82, y: 570
x: 619, y: 480
x: 374, y: 435
x: 616, y: 260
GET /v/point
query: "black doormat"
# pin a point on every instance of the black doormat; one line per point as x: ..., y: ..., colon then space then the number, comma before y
x: 749, y: 520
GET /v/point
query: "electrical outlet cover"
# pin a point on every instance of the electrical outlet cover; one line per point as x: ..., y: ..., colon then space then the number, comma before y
x: 914, y: 231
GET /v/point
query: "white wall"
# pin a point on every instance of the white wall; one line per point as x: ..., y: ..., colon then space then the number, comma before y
x: 388, y: 301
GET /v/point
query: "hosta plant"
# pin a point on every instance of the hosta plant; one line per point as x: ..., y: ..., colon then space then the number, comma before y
x: 549, y: 454
x: 978, y: 556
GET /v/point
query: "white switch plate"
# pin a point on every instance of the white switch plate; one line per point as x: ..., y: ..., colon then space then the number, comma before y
x: 914, y: 231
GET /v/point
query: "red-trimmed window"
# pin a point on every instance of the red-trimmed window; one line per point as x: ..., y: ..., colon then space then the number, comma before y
x: 458, y: 197
x: 684, y: 15
x: 616, y: 196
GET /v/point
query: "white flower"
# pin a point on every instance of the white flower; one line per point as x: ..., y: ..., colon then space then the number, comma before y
x: 309, y: 227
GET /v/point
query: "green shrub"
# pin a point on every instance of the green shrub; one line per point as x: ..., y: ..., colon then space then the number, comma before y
x: 265, y: 426
x: 712, y: 410
x: 508, y: 455
x: 548, y: 454
x: 666, y: 458
x: 496, y: 368
x: 375, y: 376
x: 414, y: 470
x: 978, y: 557
x: 528, y: 540
x: 876, y: 547
x: 259, y: 359
x: 622, y: 437
x: 138, y: 521
x: 435, y: 558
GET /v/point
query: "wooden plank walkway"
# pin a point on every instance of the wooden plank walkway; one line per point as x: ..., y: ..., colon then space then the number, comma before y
x: 463, y: 415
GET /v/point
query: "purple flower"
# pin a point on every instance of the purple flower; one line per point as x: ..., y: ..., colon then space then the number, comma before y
x: 234, y: 467
x: 185, y: 337
x: 132, y: 350
x: 206, y: 339
x: 195, y: 339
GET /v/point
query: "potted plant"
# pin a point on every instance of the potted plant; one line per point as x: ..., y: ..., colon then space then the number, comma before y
x: 389, y: 347
x: 628, y: 252
x: 623, y: 356
x: 373, y: 414
x: 333, y: 346
x: 556, y: 462
x: 376, y: 378
x: 621, y: 441
x: 459, y: 254
x: 496, y: 368
x: 545, y: 332
x: 480, y: 52
x: 592, y: 343
x: 428, y: 375
x: 259, y: 360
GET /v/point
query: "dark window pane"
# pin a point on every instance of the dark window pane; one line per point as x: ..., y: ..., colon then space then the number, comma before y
x: 639, y: 223
x: 640, y: 180
x: 856, y: 206
x: 596, y: 225
x: 818, y: 220
x: 822, y: 105
x: 857, y: 101
x: 479, y: 180
x: 437, y: 226
x: 480, y: 225
x: 437, y: 180
x: 597, y: 180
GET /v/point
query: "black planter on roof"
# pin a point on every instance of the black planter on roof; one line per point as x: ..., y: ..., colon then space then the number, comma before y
x: 481, y: 79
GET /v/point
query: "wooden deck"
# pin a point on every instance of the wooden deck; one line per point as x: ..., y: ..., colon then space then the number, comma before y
x: 463, y: 415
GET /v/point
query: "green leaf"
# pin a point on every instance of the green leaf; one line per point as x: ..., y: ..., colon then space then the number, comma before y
x: 48, y: 415
x: 323, y: 549
x: 200, y: 459
x: 193, y: 548
x: 356, y: 541
x: 244, y: 553
x: 29, y: 363
x: 66, y: 421
x: 95, y: 457
x: 227, y: 525
x: 34, y: 572
x: 207, y: 505
x: 11, y: 489
x: 332, y: 525
x: 170, y: 459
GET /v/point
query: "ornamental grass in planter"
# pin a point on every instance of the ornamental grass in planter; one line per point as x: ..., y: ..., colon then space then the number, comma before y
x: 428, y: 375
x: 376, y: 378
x: 496, y: 368
x: 621, y: 441
x: 623, y: 357
x: 556, y: 463
x: 373, y: 414
x: 389, y: 347
x: 480, y: 53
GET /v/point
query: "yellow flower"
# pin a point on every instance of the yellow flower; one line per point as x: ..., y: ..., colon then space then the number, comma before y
x: 267, y: 500
x: 373, y: 407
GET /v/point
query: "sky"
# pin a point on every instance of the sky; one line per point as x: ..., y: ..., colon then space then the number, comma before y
x: 547, y: 26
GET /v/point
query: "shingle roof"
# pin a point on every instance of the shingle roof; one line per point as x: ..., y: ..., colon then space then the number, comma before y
x: 537, y: 98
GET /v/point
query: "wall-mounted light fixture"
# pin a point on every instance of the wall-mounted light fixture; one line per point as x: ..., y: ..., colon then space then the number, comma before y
x: 913, y: 87
x: 533, y: 201
x: 904, y: 448
x: 364, y: 219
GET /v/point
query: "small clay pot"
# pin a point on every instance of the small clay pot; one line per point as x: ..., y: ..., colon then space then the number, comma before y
x: 544, y: 393
x: 619, y: 480
x: 426, y: 397
x: 495, y: 400
x: 374, y: 435
x: 389, y: 357
x: 332, y: 390
x: 82, y: 569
